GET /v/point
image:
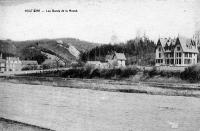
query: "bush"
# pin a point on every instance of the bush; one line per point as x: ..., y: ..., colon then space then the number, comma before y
x: 99, y: 73
x: 95, y: 73
x: 163, y: 73
x: 191, y: 73
x: 127, y: 72
x: 90, y: 73
x: 29, y: 67
x: 152, y: 72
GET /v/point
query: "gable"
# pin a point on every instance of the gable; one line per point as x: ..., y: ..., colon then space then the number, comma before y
x: 187, y: 45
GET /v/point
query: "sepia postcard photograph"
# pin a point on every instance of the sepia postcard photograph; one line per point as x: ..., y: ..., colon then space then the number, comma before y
x: 100, y: 65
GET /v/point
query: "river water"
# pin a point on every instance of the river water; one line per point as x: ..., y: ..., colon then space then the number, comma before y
x: 68, y: 109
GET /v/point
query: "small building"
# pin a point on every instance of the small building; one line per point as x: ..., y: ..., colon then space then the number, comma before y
x: 53, y: 63
x: 29, y: 63
x: 180, y: 51
x: 116, y: 60
x: 13, y: 64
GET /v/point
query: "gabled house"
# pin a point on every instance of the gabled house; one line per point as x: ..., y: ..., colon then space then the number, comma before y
x: 116, y: 60
x: 13, y: 64
x: 176, y: 52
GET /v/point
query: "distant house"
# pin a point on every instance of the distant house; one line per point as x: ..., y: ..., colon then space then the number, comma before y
x: 13, y: 64
x: 116, y: 60
x: 176, y: 52
x: 53, y: 63
x: 29, y: 64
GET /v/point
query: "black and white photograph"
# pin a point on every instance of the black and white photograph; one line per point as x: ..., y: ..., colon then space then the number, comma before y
x: 100, y: 65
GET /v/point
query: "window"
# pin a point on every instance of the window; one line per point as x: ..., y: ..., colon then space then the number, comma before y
x: 159, y: 49
x: 167, y: 61
x: 159, y: 55
x: 186, y: 54
x: 190, y: 55
x: 178, y: 48
x: 172, y: 61
x: 179, y: 61
x: 179, y: 54
x: 187, y: 61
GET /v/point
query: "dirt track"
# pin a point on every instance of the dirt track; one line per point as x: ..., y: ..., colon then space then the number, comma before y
x: 89, y: 110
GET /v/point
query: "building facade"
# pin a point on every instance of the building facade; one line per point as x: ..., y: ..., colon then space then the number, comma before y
x: 13, y: 64
x: 2, y: 65
x: 176, y: 52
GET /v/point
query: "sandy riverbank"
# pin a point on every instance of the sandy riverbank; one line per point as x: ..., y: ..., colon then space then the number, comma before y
x: 71, y: 109
x: 10, y: 125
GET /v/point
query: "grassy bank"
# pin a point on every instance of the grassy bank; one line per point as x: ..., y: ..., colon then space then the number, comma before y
x: 126, y: 86
x: 189, y: 75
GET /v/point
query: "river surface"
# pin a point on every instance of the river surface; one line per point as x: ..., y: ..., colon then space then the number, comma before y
x: 68, y: 109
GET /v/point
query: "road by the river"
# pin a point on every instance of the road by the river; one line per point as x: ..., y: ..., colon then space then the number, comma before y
x: 68, y: 109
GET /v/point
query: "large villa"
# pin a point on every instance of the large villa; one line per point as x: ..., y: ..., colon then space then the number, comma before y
x: 179, y: 51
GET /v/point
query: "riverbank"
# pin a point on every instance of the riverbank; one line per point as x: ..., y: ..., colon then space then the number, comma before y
x: 126, y: 86
x: 10, y: 125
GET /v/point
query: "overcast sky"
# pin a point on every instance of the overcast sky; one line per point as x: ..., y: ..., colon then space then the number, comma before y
x: 99, y: 20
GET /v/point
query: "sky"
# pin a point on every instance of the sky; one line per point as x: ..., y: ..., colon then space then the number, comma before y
x: 99, y: 21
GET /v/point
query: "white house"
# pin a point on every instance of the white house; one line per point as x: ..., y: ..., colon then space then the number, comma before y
x: 13, y: 64
x: 176, y: 52
x: 116, y: 60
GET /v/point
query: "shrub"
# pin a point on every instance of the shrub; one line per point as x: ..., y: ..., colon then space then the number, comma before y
x: 152, y: 72
x: 95, y: 73
x: 127, y: 72
x: 89, y: 72
x: 163, y: 73
x: 191, y: 73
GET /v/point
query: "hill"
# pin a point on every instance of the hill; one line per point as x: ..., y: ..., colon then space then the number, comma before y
x: 67, y: 49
